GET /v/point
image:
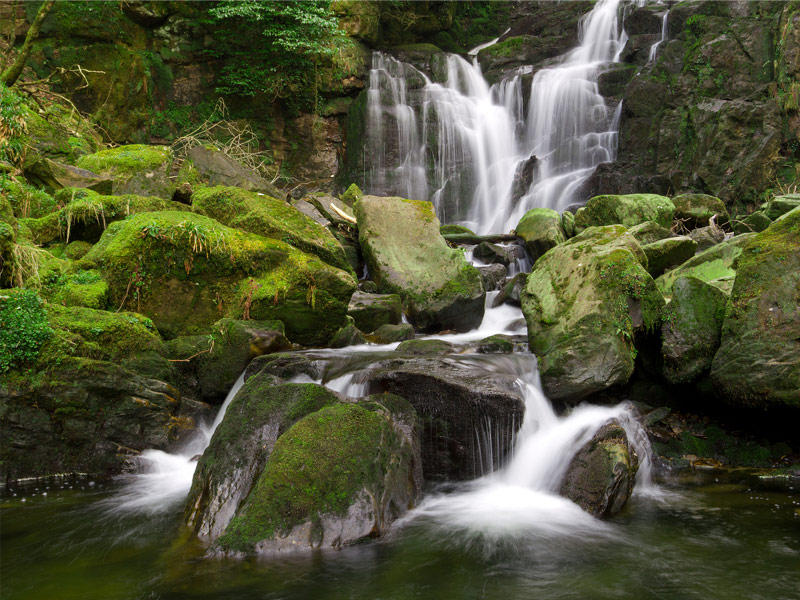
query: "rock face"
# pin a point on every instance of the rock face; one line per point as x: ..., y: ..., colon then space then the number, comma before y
x: 261, y: 412
x: 185, y: 271
x: 135, y: 169
x: 628, y: 210
x: 583, y: 302
x: 759, y: 358
x: 339, y: 476
x: 600, y: 478
x: 541, y: 229
x: 691, y: 329
x: 406, y: 255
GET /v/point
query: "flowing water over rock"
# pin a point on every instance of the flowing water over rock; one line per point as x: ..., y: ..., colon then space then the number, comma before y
x: 483, y: 154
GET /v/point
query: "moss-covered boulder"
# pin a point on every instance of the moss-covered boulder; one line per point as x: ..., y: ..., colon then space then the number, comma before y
x: 496, y: 344
x: 628, y: 210
x: 755, y: 222
x: 260, y: 413
x: 406, y: 255
x: 649, y: 232
x: 758, y: 362
x: 134, y: 169
x: 780, y: 205
x: 269, y: 217
x: 583, y: 303
x: 706, y: 237
x: 209, y: 364
x: 185, y: 271
x: 541, y: 230
x: 601, y: 476
x: 667, y: 253
x: 388, y: 334
x: 83, y: 288
x: 26, y: 200
x: 696, y: 210
x: 53, y: 176
x: 348, y: 335
x: 568, y: 223
x: 351, y: 195
x: 715, y: 266
x: 86, y: 214
x: 690, y: 333
x: 339, y: 476
x: 426, y: 347
x: 371, y: 311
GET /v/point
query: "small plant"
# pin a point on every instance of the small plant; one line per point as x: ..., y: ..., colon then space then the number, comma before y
x: 12, y: 126
x: 23, y: 328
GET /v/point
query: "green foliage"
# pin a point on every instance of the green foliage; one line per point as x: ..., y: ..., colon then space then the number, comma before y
x: 273, y: 48
x: 23, y: 328
x: 12, y: 125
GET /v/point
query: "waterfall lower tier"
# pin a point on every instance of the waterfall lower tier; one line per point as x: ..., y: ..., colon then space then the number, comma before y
x: 464, y: 144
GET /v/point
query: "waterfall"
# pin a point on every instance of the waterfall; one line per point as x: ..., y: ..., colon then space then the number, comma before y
x: 166, y: 478
x: 664, y: 33
x: 465, y: 145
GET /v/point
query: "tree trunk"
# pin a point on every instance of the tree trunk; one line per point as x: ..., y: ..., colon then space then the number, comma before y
x: 11, y: 74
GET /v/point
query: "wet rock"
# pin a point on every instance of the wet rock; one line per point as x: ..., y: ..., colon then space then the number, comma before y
x: 691, y: 329
x: 497, y: 254
x: 628, y: 210
x: 388, y: 334
x: 368, y: 287
x: 696, y: 210
x: 583, y: 303
x: 511, y: 292
x: 523, y: 178
x: 339, y: 476
x: 262, y: 411
x: 492, y: 276
x: 371, y: 311
x: 600, y: 478
x: 568, y: 223
x: 667, y: 253
x: 496, y: 344
x: 758, y: 362
x: 406, y: 255
x: 541, y: 230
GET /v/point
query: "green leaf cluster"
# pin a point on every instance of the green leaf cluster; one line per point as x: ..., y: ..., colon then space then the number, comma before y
x: 12, y: 125
x: 23, y: 327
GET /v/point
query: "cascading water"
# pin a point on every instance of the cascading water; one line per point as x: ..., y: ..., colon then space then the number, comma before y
x: 166, y: 478
x: 466, y: 145
x: 664, y: 34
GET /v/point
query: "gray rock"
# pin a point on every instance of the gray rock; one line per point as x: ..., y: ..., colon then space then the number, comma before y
x: 493, y: 276
x: 217, y: 168
x: 371, y: 311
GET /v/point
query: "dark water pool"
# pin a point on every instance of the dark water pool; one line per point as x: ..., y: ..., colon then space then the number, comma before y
x: 710, y: 538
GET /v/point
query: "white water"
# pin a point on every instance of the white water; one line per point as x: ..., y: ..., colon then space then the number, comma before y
x: 482, y: 134
x: 166, y: 478
x: 664, y: 33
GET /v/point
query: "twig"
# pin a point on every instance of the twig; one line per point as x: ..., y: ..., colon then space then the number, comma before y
x: 209, y: 349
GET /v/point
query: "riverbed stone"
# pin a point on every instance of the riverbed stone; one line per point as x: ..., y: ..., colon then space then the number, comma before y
x: 493, y: 276
x: 628, y: 210
x: 758, y: 362
x: 601, y: 476
x: 541, y: 230
x: 348, y: 335
x: 260, y: 413
x: 134, y: 169
x: 339, y: 476
x: 583, y: 303
x: 388, y: 334
x: 690, y: 333
x: 668, y: 252
x: 371, y: 311
x: 696, y: 210
x: 407, y: 255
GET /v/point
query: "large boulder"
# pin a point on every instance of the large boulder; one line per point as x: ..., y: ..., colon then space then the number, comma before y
x: 583, y: 302
x: 758, y: 362
x: 541, y: 230
x: 628, y: 210
x: 269, y: 217
x: 690, y: 332
x: 371, y: 311
x: 260, y: 413
x: 185, y: 271
x: 406, y: 255
x: 339, y: 476
x: 134, y: 169
x: 601, y: 476
x: 668, y: 252
x: 214, y: 167
x: 716, y: 266
x: 696, y: 210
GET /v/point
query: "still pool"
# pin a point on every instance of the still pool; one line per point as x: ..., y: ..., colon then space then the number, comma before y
x: 707, y: 536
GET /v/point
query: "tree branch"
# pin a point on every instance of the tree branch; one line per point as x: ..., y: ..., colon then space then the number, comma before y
x: 12, y: 73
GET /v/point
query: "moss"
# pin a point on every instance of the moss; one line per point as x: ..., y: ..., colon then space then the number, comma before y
x: 269, y: 217
x: 77, y: 249
x: 496, y: 344
x: 351, y: 194
x: 317, y: 467
x: 125, y: 160
x: 448, y: 229
x: 84, y: 288
x: 26, y: 200
x: 426, y: 347
x: 628, y: 210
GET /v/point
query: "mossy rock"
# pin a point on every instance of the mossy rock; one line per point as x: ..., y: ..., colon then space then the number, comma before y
x: 541, y: 230
x: 216, y: 168
x: 263, y: 409
x: 584, y: 302
x: 77, y: 250
x: 348, y: 335
x: 53, y: 176
x: 351, y: 195
x: 83, y: 288
x: 448, y: 229
x: 780, y: 205
x: 715, y: 265
x: 426, y: 347
x: 668, y: 252
x: 628, y: 210
x: 338, y: 476
x: 758, y: 362
x: 26, y: 200
x: 753, y: 223
x: 86, y: 214
x: 389, y: 334
x: 496, y: 344
x: 135, y: 169
x: 649, y: 232
x: 186, y: 271
x: 407, y: 255
x: 690, y: 333
x: 269, y: 217
x: 696, y: 210
x: 568, y: 223
x: 371, y: 311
